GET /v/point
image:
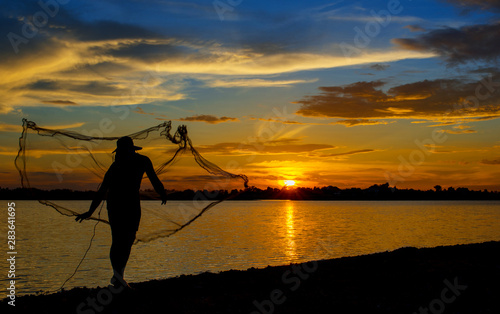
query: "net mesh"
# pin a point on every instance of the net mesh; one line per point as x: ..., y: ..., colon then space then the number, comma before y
x: 56, y: 159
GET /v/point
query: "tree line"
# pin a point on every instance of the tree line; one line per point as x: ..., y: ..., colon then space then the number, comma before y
x: 374, y: 192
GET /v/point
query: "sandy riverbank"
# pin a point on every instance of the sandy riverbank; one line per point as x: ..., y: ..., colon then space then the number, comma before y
x: 451, y: 279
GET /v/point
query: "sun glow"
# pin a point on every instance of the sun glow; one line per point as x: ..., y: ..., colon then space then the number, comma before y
x: 289, y: 182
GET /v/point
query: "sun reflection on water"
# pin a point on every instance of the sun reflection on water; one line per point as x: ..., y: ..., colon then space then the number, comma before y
x: 290, y: 231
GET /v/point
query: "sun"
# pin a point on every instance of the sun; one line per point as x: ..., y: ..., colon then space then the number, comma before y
x: 289, y: 182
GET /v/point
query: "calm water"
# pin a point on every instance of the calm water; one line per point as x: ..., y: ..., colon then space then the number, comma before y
x: 240, y: 235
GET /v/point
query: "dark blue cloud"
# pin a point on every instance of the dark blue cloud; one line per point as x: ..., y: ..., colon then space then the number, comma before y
x: 458, y: 45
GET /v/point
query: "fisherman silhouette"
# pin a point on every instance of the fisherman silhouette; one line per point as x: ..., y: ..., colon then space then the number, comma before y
x: 122, y: 182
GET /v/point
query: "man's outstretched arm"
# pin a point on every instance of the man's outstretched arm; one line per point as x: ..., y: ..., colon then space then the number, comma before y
x: 155, y: 181
x: 97, y: 199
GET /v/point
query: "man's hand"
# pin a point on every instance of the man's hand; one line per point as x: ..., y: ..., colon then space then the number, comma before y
x: 83, y: 216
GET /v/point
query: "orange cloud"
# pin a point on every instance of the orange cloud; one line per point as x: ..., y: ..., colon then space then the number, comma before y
x: 60, y: 102
x: 353, y: 152
x: 458, y: 132
x: 19, y: 128
x: 491, y: 162
x: 209, y: 119
x: 278, y: 120
x: 256, y: 83
x: 139, y: 110
x: 354, y: 122
x: 428, y: 99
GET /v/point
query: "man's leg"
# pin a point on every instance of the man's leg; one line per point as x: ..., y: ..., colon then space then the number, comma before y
x: 120, y: 250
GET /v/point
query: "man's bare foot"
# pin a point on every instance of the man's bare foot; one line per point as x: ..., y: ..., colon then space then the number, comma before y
x: 118, y: 282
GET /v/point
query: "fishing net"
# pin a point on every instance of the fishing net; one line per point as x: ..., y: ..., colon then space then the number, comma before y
x: 60, y: 160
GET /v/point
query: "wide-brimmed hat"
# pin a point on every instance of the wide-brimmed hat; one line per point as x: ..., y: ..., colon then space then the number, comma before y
x: 126, y: 143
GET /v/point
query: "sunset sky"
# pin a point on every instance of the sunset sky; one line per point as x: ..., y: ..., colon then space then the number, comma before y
x: 342, y: 93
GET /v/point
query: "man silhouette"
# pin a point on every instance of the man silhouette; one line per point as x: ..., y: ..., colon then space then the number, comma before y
x: 122, y: 182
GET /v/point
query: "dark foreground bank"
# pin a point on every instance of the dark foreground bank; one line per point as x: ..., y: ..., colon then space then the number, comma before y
x: 451, y: 279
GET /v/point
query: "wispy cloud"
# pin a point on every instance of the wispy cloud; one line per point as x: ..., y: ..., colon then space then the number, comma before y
x: 352, y: 152
x: 355, y: 122
x: 19, y: 127
x: 139, y: 110
x: 11, y: 128
x: 60, y: 102
x: 256, y: 83
x: 279, y: 121
x: 379, y: 66
x: 370, y: 18
x: 415, y: 28
x: 458, y: 131
x: 65, y: 126
x: 491, y: 162
x: 243, y: 62
x: 208, y: 119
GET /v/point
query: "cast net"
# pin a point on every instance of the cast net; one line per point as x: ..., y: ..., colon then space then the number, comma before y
x: 63, y: 161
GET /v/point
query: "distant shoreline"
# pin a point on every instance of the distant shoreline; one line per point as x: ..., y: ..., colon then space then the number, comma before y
x: 375, y: 192
x: 459, y: 279
x: 259, y: 199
